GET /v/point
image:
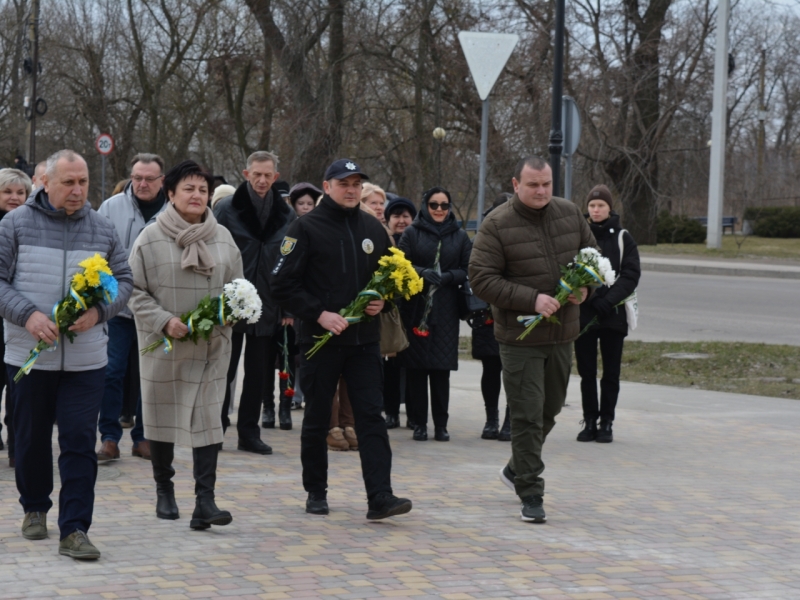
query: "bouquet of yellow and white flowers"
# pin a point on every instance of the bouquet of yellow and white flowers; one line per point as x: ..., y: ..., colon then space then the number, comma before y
x: 395, y: 277
x: 239, y: 301
x: 589, y: 268
x: 95, y: 284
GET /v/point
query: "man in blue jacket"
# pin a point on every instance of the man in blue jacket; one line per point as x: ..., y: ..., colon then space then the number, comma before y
x: 41, y: 244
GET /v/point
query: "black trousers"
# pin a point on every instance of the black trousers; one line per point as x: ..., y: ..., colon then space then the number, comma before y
x: 491, y: 382
x: 417, y: 396
x: 362, y: 371
x: 393, y: 386
x: 73, y: 398
x: 586, y: 356
x: 257, y: 373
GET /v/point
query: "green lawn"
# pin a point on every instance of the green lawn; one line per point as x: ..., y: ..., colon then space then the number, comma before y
x: 752, y: 248
x: 757, y: 369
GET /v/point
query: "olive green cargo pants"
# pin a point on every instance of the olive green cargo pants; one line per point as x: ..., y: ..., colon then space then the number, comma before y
x: 535, y: 379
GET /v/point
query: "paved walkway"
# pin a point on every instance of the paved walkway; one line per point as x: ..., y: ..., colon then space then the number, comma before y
x: 696, y: 498
x: 719, y: 266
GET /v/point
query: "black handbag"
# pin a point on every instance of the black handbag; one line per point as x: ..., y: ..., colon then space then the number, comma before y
x: 469, y: 303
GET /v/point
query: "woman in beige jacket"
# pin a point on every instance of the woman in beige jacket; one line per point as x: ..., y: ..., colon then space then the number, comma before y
x: 181, y: 258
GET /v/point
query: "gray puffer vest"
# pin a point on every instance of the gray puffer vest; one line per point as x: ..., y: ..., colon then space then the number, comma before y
x: 40, y: 249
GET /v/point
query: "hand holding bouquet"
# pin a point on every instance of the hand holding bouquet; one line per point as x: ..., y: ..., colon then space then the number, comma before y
x: 589, y: 268
x: 421, y: 330
x: 395, y: 277
x: 95, y: 284
x: 238, y: 301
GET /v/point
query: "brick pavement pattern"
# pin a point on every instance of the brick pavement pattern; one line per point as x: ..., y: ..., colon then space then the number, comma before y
x: 696, y: 498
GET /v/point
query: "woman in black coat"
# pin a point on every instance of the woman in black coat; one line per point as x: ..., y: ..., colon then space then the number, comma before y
x: 612, y: 325
x: 431, y: 357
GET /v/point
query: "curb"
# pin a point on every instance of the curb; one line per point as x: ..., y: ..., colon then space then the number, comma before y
x: 712, y: 268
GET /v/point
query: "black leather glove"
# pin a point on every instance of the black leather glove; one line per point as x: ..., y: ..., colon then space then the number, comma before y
x: 447, y: 278
x: 431, y: 276
x: 602, y: 307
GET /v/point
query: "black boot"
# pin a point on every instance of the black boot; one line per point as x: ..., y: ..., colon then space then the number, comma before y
x: 206, y: 512
x: 421, y: 433
x: 604, y: 434
x: 392, y: 421
x: 492, y: 427
x: 285, y: 413
x: 505, y: 431
x: 589, y: 432
x: 268, y: 417
x: 161, y: 455
x: 440, y: 434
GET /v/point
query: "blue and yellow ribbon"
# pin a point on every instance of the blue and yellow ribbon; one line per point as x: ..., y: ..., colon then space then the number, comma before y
x: 167, y: 345
x: 26, y: 368
x: 78, y: 298
x: 564, y: 285
x: 189, y: 325
x: 221, y: 313
x: 592, y: 273
x: 528, y: 320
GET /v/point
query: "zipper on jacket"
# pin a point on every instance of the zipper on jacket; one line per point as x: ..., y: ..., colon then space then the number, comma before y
x: 355, y: 266
x: 63, y: 286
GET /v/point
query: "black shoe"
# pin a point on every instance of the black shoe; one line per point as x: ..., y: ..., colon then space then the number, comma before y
x: 507, y: 476
x: 589, y: 432
x: 285, y: 413
x: 505, y: 430
x: 410, y: 424
x: 491, y: 430
x: 604, y: 434
x: 421, y: 433
x: 392, y: 421
x: 166, y: 507
x: 387, y: 505
x: 268, y: 418
x: 255, y: 445
x: 207, y: 514
x: 532, y: 510
x: 317, y: 503
x: 440, y: 434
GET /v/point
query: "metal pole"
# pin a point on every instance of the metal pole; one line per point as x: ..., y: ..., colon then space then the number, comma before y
x: 484, y: 144
x: 556, y: 135
x: 33, y: 40
x: 762, y: 115
x: 103, y: 178
x: 568, y: 179
x: 716, y: 179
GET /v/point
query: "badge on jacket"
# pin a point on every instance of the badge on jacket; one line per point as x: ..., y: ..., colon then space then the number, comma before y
x: 367, y: 246
x: 287, y: 245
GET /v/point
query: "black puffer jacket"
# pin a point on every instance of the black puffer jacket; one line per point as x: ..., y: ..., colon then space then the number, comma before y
x: 259, y: 248
x: 604, y: 300
x: 439, y: 350
x: 328, y: 257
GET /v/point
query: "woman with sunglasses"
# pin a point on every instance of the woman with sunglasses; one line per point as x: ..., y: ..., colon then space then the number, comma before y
x: 439, y: 251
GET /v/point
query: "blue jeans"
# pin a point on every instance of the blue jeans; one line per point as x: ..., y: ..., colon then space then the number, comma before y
x: 73, y: 399
x: 121, y: 342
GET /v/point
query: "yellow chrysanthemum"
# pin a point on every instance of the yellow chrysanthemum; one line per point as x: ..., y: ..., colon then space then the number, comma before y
x: 92, y: 267
x: 79, y: 282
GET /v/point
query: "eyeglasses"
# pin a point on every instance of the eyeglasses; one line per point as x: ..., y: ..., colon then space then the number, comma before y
x: 439, y: 206
x: 140, y: 179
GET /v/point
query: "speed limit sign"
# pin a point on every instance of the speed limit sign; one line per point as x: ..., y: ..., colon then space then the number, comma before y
x: 104, y: 144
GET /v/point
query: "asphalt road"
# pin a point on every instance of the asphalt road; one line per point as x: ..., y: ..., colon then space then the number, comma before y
x: 683, y: 307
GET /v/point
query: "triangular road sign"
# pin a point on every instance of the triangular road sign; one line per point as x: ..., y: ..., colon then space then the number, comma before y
x: 487, y: 54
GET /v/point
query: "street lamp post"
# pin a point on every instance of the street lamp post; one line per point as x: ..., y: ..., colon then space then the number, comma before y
x: 439, y: 135
x: 556, y: 134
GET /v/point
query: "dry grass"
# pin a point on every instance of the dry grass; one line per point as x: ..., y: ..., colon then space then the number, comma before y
x: 757, y: 369
x: 752, y: 248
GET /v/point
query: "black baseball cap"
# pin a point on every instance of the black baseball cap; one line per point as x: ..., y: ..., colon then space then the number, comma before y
x: 342, y: 168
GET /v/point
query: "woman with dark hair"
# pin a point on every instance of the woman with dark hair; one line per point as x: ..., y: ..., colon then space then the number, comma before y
x: 183, y: 257
x: 439, y: 250
x: 611, y: 327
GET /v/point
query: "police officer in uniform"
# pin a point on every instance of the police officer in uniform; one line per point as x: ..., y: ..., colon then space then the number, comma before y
x: 326, y: 259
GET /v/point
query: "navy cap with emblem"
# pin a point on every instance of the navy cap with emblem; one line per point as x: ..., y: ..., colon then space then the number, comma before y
x: 342, y: 168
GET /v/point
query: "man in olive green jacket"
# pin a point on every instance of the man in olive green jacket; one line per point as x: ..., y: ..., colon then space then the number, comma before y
x: 515, y: 267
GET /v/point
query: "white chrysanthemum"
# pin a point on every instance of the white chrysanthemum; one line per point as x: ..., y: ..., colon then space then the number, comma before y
x: 243, y: 300
x: 605, y: 270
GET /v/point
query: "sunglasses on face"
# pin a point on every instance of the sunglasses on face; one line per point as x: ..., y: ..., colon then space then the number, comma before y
x: 438, y: 206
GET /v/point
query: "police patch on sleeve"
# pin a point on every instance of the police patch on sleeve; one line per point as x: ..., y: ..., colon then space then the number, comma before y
x: 367, y: 246
x: 287, y: 245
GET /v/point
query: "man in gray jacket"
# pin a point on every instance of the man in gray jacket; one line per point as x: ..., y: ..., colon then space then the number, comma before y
x: 41, y: 244
x: 130, y: 211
